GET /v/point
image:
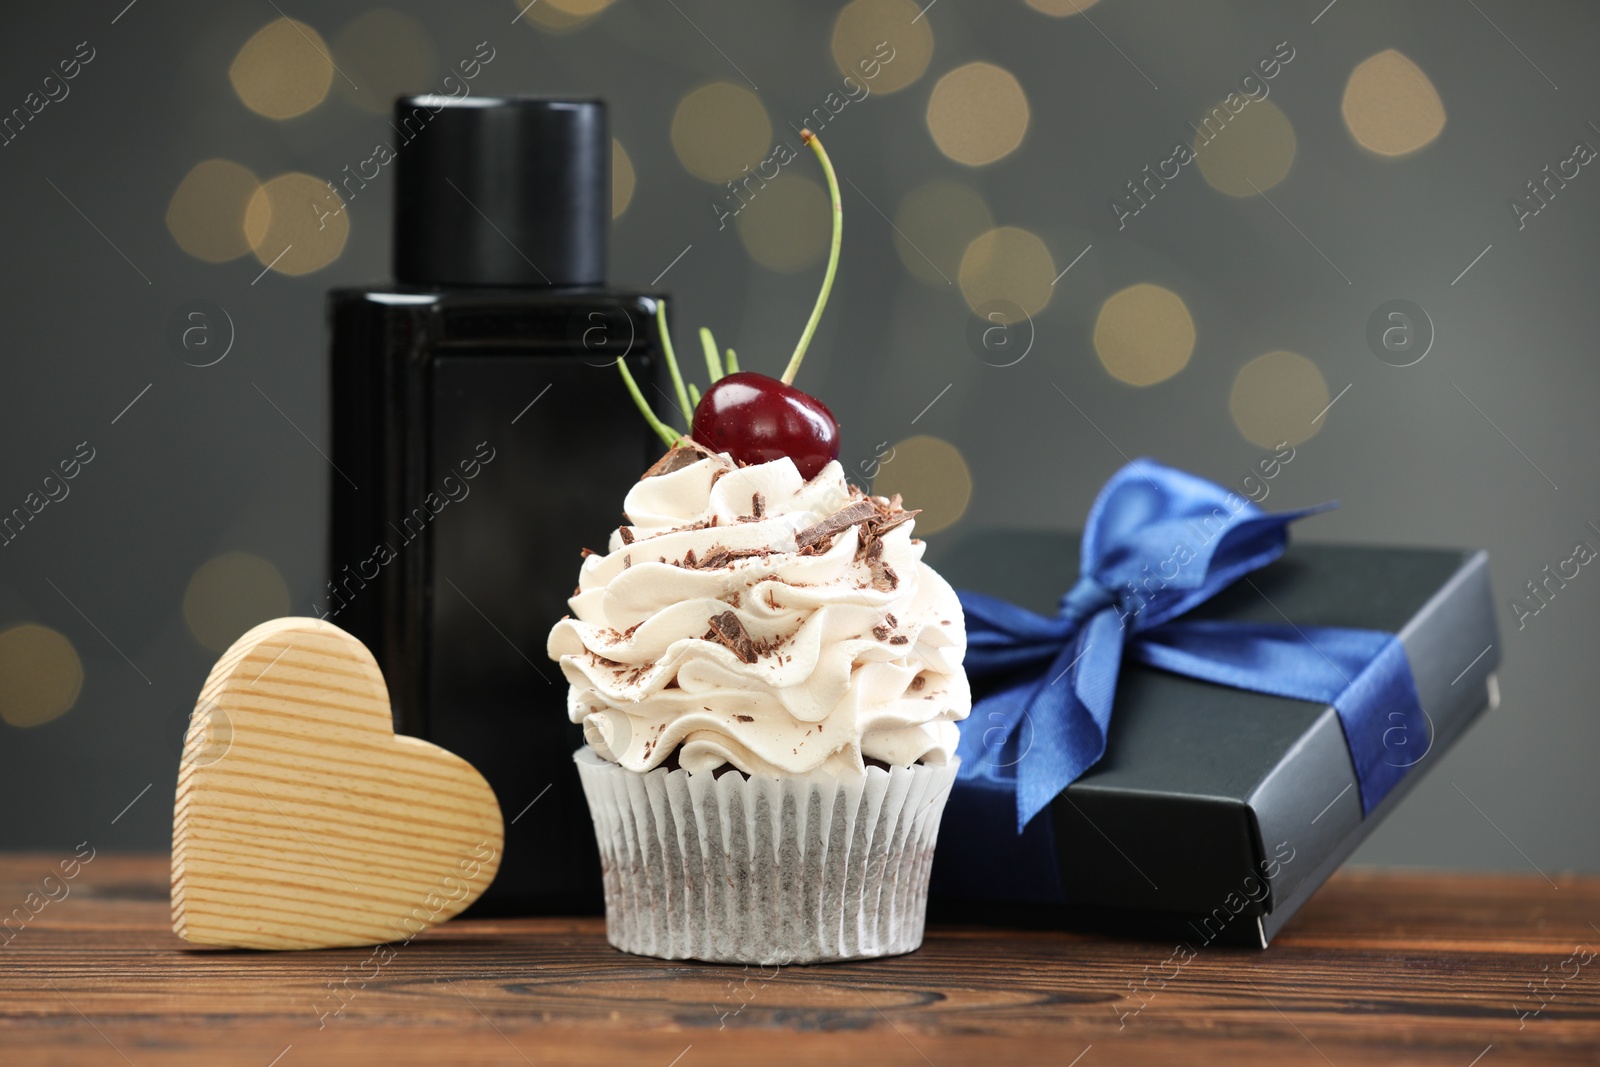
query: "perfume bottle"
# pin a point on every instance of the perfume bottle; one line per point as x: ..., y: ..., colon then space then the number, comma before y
x: 481, y: 437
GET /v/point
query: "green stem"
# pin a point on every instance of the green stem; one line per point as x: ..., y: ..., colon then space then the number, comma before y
x: 665, y: 432
x: 694, y: 394
x: 833, y: 257
x: 713, y: 364
x: 733, y: 362
x: 672, y: 359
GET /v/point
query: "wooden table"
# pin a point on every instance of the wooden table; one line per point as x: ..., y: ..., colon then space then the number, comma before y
x: 1380, y: 968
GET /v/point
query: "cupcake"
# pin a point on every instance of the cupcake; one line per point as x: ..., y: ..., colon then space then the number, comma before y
x: 769, y: 680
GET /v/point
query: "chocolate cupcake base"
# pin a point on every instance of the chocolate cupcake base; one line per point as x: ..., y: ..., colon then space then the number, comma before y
x: 756, y: 870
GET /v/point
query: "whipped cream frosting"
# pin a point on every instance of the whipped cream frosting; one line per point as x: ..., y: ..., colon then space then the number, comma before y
x: 750, y: 617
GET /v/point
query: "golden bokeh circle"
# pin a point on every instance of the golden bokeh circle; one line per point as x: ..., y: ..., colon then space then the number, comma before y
x: 563, y: 17
x: 1390, y: 106
x: 622, y: 178
x: 933, y: 226
x: 1009, y: 266
x: 1061, y: 8
x: 786, y: 225
x: 928, y: 473
x: 229, y: 594
x: 720, y: 129
x: 206, y: 213
x: 1144, y: 334
x: 40, y: 675
x: 283, y: 70
x: 296, y: 224
x: 1249, y: 155
x: 885, y: 38
x: 386, y: 54
x: 1275, y: 399
x: 977, y: 114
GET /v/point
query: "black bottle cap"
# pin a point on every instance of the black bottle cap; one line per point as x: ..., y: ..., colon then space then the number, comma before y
x: 501, y: 191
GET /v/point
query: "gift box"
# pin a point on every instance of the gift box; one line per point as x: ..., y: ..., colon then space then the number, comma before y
x: 1215, y: 811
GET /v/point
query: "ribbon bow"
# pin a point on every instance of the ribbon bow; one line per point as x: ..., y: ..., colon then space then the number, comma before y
x: 1158, y: 542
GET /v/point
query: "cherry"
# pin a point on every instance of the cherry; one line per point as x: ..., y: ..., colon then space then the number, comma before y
x: 757, y: 419
x: 754, y: 418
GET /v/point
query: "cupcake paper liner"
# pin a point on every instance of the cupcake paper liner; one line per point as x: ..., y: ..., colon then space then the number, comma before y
x: 760, y: 870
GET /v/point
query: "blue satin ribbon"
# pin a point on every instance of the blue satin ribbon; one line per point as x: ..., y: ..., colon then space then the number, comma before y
x: 1157, y: 543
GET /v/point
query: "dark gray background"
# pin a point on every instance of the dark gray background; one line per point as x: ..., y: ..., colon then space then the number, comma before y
x: 203, y: 465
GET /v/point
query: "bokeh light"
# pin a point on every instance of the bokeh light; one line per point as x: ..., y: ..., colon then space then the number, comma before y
x: 719, y: 129
x: 283, y: 70
x: 928, y: 473
x: 559, y: 16
x: 622, y: 178
x: 933, y: 226
x: 1061, y: 8
x: 1390, y: 106
x: 40, y: 675
x: 1275, y: 398
x: 1008, y: 266
x: 386, y: 54
x: 787, y: 225
x: 231, y: 593
x: 1252, y: 153
x: 977, y: 114
x: 1144, y: 334
x: 296, y: 224
x: 206, y: 213
x: 862, y: 26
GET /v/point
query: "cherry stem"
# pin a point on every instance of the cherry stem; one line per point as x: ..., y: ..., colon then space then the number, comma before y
x: 672, y: 359
x: 833, y: 257
x: 713, y: 364
x: 665, y: 432
x: 733, y: 362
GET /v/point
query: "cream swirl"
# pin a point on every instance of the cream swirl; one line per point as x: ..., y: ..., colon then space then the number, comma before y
x: 742, y: 618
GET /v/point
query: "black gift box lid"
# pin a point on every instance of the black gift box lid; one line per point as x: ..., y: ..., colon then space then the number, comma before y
x: 1216, y: 812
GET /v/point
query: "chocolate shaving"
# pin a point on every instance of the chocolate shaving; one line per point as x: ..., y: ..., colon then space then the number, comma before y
x: 683, y: 454
x: 899, y: 639
x: 586, y: 553
x: 918, y: 682
x: 727, y: 629
x: 758, y: 506
x: 745, y: 718
x: 881, y: 633
x: 626, y: 534
x: 688, y: 558
x: 890, y: 619
x: 820, y: 535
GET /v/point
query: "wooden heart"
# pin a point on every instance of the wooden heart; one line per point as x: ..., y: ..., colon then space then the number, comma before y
x: 302, y: 821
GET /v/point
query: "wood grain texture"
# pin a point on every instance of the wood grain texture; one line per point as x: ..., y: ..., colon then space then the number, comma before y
x: 302, y: 821
x: 1378, y: 969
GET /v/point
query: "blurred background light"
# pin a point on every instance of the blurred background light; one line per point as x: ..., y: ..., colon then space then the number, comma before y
x: 787, y: 226
x: 928, y: 473
x: 40, y: 675
x: 1007, y: 266
x: 978, y: 114
x: 206, y: 213
x: 1061, y: 8
x: 296, y: 224
x: 386, y: 54
x: 558, y: 16
x: 1276, y: 397
x: 231, y: 593
x: 933, y: 226
x: 1390, y: 106
x: 863, y: 25
x: 622, y: 178
x: 1252, y: 153
x: 283, y: 70
x: 1144, y: 334
x: 720, y: 129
